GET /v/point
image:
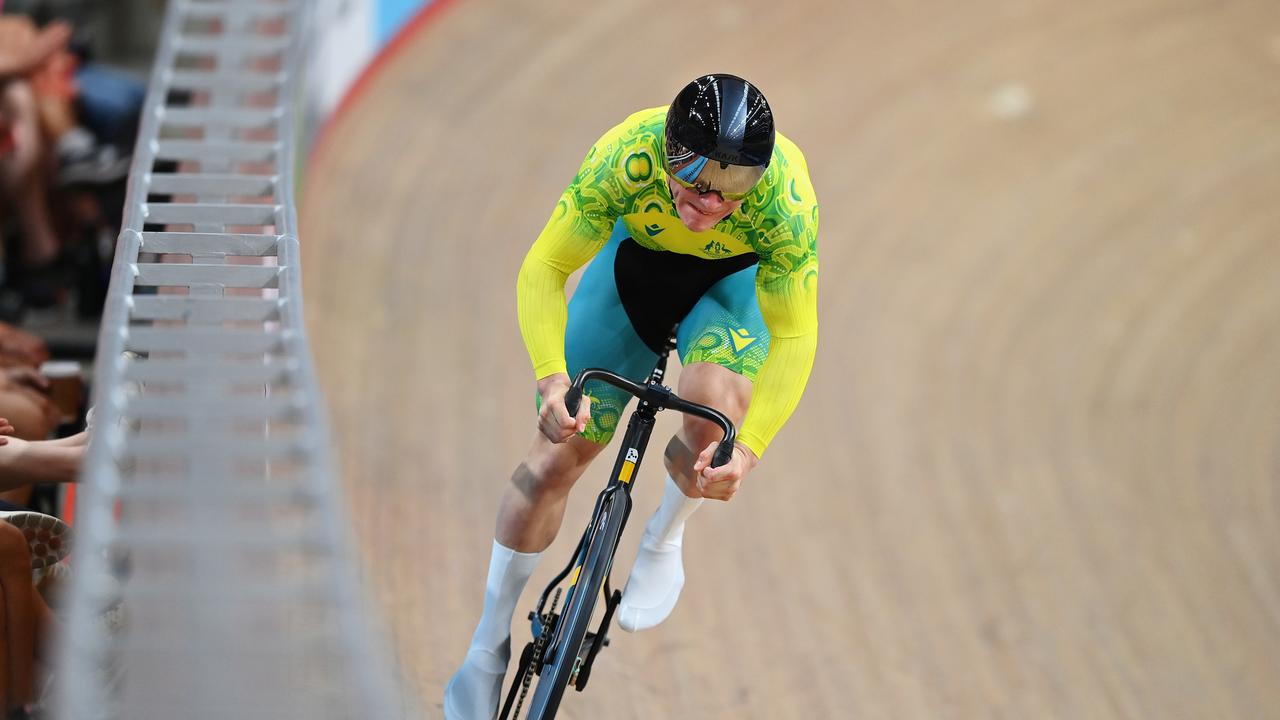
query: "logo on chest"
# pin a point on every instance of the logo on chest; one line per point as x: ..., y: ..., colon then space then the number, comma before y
x: 715, y: 248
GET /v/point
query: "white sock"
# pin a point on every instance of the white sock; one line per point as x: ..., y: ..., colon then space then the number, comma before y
x: 666, y: 527
x: 509, y: 571
x: 474, y: 691
x: 658, y: 574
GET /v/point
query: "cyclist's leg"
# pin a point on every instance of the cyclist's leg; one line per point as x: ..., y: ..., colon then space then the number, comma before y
x: 723, y: 343
x: 706, y: 383
x: 598, y: 334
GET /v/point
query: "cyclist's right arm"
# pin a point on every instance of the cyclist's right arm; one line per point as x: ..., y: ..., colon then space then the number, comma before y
x: 578, y: 228
x: 543, y: 312
x: 565, y: 244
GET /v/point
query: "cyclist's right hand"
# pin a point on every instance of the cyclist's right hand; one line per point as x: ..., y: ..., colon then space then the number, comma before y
x: 554, y: 420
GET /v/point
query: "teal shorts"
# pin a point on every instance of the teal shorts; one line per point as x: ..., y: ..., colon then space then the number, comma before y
x: 630, y: 298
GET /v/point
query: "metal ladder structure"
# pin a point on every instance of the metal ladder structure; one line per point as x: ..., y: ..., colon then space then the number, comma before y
x: 213, y: 575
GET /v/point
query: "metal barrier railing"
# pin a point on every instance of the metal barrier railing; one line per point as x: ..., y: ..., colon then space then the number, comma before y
x: 213, y: 576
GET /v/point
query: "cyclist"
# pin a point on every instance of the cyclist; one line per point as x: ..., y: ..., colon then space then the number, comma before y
x: 697, y: 214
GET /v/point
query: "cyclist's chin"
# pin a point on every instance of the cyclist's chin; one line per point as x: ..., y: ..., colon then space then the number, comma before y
x: 698, y: 221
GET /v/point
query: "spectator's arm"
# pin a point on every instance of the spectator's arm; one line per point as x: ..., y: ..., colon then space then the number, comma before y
x: 19, y: 347
x: 80, y: 439
x: 23, y: 48
x: 24, y: 462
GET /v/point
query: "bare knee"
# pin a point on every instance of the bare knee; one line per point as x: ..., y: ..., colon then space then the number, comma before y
x: 550, y: 470
x: 716, y: 387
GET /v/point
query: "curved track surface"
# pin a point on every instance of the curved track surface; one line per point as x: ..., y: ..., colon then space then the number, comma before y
x: 1037, y: 470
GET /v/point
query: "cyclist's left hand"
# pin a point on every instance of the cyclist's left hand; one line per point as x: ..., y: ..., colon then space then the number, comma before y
x: 722, y: 482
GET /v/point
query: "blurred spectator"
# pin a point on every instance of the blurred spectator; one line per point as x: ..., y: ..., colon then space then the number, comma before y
x: 31, y: 415
x: 26, y: 621
x: 19, y: 348
x: 110, y: 103
x: 67, y: 126
x: 24, y: 393
x: 24, y: 153
x: 30, y: 409
x: 23, y: 462
x: 28, y: 541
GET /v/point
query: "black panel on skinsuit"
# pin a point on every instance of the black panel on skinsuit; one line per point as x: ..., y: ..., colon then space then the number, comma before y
x: 658, y: 288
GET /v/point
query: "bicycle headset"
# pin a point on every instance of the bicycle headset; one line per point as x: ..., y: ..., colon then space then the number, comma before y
x: 719, y: 136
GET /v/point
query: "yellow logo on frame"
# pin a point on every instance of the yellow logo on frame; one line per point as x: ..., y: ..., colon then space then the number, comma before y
x: 629, y: 466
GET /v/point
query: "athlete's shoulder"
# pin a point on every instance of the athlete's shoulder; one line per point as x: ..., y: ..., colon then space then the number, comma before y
x: 622, y: 171
x: 779, y: 219
x: 784, y: 194
x: 639, y: 129
x: 649, y: 121
x: 626, y: 161
x: 793, y: 168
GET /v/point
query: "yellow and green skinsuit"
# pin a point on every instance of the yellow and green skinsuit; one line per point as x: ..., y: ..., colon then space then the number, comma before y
x: 621, y: 190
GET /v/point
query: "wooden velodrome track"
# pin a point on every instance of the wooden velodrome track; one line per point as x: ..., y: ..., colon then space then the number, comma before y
x: 1037, y: 470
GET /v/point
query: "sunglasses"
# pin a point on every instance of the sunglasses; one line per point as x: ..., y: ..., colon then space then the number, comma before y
x: 704, y: 175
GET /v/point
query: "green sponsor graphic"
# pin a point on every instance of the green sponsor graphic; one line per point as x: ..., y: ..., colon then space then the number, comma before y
x: 724, y: 343
x: 639, y: 167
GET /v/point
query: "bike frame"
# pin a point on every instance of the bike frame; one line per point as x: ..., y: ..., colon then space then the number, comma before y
x: 608, y: 519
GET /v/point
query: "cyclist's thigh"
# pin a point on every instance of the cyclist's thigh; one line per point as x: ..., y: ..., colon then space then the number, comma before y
x: 725, y: 327
x: 599, y: 334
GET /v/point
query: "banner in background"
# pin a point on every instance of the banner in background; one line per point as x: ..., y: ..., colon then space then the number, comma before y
x: 391, y: 15
x: 349, y: 35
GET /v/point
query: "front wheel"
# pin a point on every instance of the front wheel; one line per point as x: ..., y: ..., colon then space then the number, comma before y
x: 576, y: 618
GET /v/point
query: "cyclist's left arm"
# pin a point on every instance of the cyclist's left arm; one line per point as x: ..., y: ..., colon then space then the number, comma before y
x: 787, y: 289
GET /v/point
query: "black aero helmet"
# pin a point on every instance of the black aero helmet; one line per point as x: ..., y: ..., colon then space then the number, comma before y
x: 719, y: 135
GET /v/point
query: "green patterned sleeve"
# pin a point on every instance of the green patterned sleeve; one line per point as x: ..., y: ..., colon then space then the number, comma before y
x: 578, y: 228
x: 787, y: 289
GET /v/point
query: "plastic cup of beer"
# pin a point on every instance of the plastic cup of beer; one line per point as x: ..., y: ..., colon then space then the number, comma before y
x: 66, y: 386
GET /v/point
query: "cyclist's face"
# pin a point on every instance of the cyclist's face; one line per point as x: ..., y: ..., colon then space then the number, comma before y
x: 700, y: 211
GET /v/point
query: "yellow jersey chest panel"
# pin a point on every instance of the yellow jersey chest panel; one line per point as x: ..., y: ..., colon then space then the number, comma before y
x: 659, y: 231
x: 622, y: 180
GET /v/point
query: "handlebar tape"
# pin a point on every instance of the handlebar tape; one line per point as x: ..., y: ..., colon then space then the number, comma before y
x: 723, y: 453
x: 572, y: 400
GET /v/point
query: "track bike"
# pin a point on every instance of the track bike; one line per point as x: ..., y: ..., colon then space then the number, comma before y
x: 564, y: 647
